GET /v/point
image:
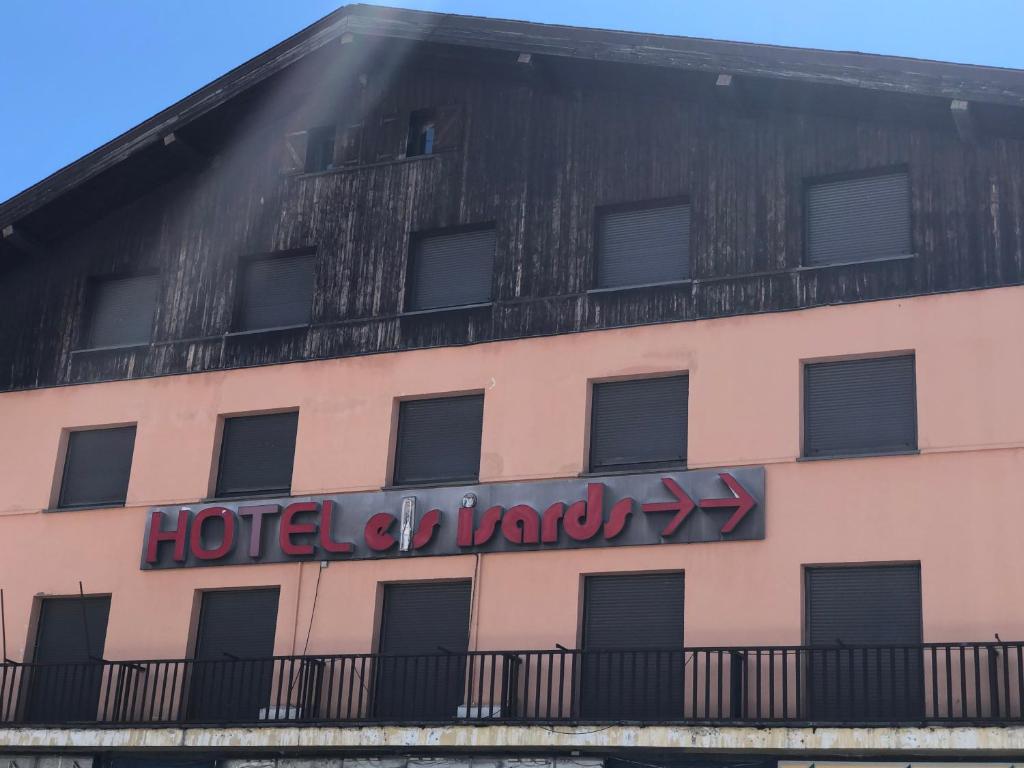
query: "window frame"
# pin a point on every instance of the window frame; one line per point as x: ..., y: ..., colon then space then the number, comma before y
x: 83, y: 337
x: 393, y: 481
x: 421, y: 119
x: 806, y: 570
x: 57, y: 503
x: 853, y: 175
x: 805, y: 364
x: 316, y: 135
x: 414, y: 240
x: 631, y: 206
x: 238, y: 302
x: 634, y: 468
x: 215, y: 493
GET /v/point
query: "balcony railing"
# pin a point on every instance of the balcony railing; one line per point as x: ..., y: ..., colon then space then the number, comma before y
x: 777, y: 685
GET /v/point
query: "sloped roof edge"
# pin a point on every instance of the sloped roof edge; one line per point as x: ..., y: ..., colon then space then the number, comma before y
x: 860, y: 70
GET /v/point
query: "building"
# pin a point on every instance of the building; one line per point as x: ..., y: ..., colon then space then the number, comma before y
x: 443, y: 390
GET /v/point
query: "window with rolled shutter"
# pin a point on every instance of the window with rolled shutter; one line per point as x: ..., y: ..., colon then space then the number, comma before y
x: 439, y: 440
x: 257, y: 454
x: 637, y: 424
x: 632, y: 646
x: 424, y: 634
x: 865, y: 406
x: 277, y: 292
x: 860, y: 219
x: 849, y: 609
x: 234, y: 646
x: 643, y: 245
x: 120, y: 311
x: 97, y: 467
x: 450, y: 270
x: 71, y: 633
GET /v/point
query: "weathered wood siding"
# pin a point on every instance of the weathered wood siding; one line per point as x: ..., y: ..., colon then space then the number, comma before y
x: 537, y: 157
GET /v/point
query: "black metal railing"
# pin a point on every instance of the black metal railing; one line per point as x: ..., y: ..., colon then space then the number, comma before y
x: 939, y: 683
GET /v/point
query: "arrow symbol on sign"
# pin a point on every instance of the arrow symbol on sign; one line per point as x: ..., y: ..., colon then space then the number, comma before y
x: 682, y: 506
x: 741, y: 500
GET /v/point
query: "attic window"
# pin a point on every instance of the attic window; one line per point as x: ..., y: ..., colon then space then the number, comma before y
x: 320, y: 149
x: 422, y: 133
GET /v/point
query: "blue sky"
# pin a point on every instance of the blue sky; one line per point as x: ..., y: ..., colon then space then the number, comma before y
x: 76, y: 73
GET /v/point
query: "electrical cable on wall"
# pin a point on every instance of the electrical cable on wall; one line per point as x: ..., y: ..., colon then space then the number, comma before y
x: 474, y: 602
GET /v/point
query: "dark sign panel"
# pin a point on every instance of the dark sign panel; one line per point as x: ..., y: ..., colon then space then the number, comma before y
x: 618, y: 510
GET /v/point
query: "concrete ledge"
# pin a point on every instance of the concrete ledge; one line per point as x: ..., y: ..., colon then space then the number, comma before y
x: 592, y: 738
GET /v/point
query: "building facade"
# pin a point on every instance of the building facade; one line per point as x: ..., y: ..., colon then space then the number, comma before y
x: 435, y: 389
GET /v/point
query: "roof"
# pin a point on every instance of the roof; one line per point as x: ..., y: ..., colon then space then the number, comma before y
x: 857, y: 70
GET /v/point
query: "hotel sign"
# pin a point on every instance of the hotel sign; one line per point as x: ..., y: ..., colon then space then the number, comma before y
x: 610, y: 511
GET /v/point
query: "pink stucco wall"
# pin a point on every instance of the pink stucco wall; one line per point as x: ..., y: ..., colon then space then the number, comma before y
x: 955, y: 508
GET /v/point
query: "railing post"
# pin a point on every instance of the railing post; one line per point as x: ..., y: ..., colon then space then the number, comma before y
x: 737, y: 684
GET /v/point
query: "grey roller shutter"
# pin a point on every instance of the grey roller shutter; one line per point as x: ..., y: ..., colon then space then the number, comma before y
x: 856, y: 606
x: 120, y: 311
x: 233, y: 672
x: 424, y: 635
x: 632, y: 661
x: 643, y: 246
x: 277, y: 293
x: 97, y: 467
x: 639, y: 423
x: 858, y: 219
x: 854, y: 407
x: 238, y: 623
x: 257, y: 454
x: 72, y: 632
x: 451, y: 270
x: 425, y: 618
x: 439, y: 440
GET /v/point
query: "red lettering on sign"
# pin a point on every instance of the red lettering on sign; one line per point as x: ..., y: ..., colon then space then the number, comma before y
x: 464, y: 535
x: 616, y: 524
x: 158, y: 534
x: 326, y: 527
x: 583, y: 518
x: 521, y: 525
x: 741, y: 500
x: 488, y: 524
x: 376, y: 534
x: 682, y: 506
x: 549, y: 526
x: 227, y: 541
x: 425, y: 530
x: 291, y: 528
x: 256, y: 512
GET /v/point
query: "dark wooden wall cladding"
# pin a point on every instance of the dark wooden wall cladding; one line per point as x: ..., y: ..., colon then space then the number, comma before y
x: 540, y: 150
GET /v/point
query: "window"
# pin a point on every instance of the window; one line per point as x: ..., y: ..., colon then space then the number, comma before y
x: 422, y: 133
x: 120, y: 311
x: 257, y: 453
x: 97, y: 466
x: 451, y: 269
x: 857, y: 606
x: 320, y: 149
x: 639, y: 424
x: 434, y: 130
x: 72, y: 631
x: 859, y: 219
x: 276, y: 292
x: 862, y: 406
x: 419, y: 622
x: 632, y: 642
x: 236, y: 632
x: 643, y: 245
x: 439, y: 440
